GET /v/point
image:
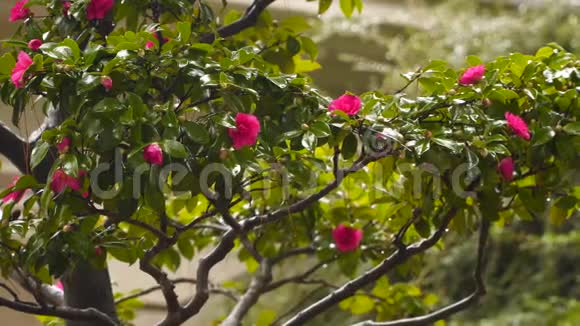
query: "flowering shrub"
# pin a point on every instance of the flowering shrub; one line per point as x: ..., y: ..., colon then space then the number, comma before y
x: 216, y: 140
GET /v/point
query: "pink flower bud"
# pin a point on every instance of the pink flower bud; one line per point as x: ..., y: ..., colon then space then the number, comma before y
x: 14, y: 196
x: 472, y: 75
x: 98, y: 9
x: 64, y: 145
x: 347, y: 238
x: 506, y: 168
x: 99, y: 251
x: 65, y: 7
x: 153, y: 154
x: 107, y: 82
x: 518, y: 125
x: 34, y: 44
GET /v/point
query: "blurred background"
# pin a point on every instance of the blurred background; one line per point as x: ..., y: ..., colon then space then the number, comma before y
x: 534, y: 270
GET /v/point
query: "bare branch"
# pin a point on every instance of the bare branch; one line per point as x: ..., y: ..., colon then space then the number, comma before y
x: 231, y: 221
x: 457, y: 306
x: 292, y: 253
x: 205, y: 266
x: 46, y: 293
x: 306, y: 202
x: 262, y: 277
x: 10, y: 291
x: 349, y: 289
x: 397, y: 258
x: 213, y: 289
x: 158, y: 233
x: 88, y: 314
x: 301, y: 278
x: 14, y: 148
x: 249, y: 19
x: 167, y: 287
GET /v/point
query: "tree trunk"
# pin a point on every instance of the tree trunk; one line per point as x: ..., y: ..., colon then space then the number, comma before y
x: 89, y: 287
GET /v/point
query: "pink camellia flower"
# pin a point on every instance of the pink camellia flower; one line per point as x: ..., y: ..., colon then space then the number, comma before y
x: 99, y: 251
x: 506, y: 168
x: 61, y: 181
x: 15, y: 196
x: 107, y: 83
x: 65, y: 7
x: 518, y: 125
x: 153, y: 154
x: 472, y: 75
x: 19, y: 12
x: 59, y: 285
x: 23, y: 63
x: 151, y: 44
x: 246, y: 131
x: 64, y: 145
x: 347, y: 103
x: 98, y: 9
x: 34, y: 44
x: 347, y: 238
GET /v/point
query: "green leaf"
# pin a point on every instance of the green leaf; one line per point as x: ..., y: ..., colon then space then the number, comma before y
x: 184, y: 29
x: 59, y: 52
x: 39, y: 153
x: 347, y: 7
x: 196, y: 132
x: 323, y: 6
x: 572, y: 128
x: 71, y: 44
x: 320, y: 129
x: 349, y: 146
x: 185, y: 248
x: 292, y: 46
x: 361, y: 304
x: 302, y: 65
x: 309, y: 140
x: 7, y: 63
x: 542, y: 136
x: 108, y: 104
x: 174, y: 148
x: 503, y: 95
x: 266, y: 318
x: 359, y: 5
x: 295, y: 24
x: 309, y: 46
x: 473, y: 60
x: 545, y: 52
x: 454, y: 146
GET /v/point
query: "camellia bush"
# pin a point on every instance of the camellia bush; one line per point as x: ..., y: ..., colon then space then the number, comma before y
x: 172, y: 132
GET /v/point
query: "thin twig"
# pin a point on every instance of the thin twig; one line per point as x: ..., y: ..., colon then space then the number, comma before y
x: 213, y: 289
x: 460, y: 305
x: 249, y: 19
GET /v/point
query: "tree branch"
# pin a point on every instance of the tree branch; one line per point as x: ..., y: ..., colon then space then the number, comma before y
x: 88, y: 314
x: 349, y: 289
x: 306, y: 202
x: 301, y: 278
x: 231, y: 221
x: 14, y: 148
x: 166, y: 286
x: 203, y: 269
x: 249, y: 19
x: 262, y: 277
x: 457, y: 306
x: 47, y: 293
x: 213, y: 288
